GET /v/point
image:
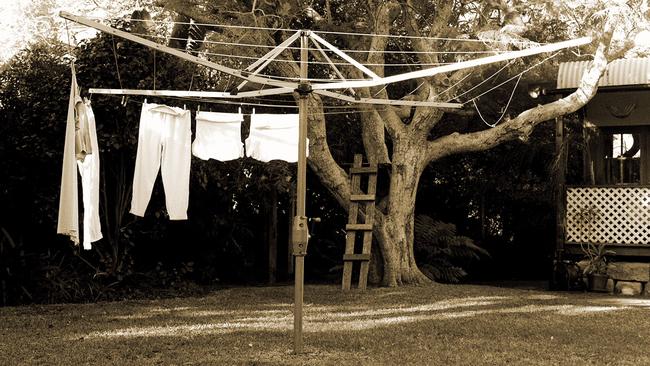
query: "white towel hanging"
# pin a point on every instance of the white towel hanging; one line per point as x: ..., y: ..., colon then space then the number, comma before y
x: 164, y: 109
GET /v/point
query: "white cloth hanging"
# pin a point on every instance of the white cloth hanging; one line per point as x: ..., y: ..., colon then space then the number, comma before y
x: 68, y: 220
x: 274, y: 137
x: 80, y: 152
x: 164, y: 143
x: 218, y: 136
x: 89, y: 171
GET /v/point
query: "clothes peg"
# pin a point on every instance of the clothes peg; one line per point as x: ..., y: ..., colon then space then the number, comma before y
x: 198, y: 108
x: 253, y: 110
x: 123, y: 102
x: 145, y: 100
x: 184, y: 108
x: 239, y: 109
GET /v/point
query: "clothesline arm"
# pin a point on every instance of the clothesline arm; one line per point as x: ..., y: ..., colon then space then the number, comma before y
x: 314, y: 37
x: 270, y: 56
x: 329, y: 61
x: 186, y: 93
x: 175, y: 52
x: 412, y: 103
x: 455, y: 66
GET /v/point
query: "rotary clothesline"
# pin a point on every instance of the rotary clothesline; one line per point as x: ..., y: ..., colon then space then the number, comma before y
x: 373, y: 81
x: 115, y: 91
x: 304, y: 88
x: 198, y: 96
x: 340, y: 63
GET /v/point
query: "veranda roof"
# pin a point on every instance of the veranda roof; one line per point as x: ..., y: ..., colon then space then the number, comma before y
x: 634, y: 71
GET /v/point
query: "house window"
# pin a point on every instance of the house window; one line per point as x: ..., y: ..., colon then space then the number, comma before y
x: 623, y: 158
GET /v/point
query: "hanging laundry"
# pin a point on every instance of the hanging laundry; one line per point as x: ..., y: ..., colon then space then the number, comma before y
x: 80, y: 147
x: 89, y: 171
x: 273, y: 137
x: 164, y: 143
x: 218, y: 136
x: 83, y: 145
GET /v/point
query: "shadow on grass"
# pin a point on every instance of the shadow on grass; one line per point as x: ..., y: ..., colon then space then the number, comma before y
x: 278, y: 317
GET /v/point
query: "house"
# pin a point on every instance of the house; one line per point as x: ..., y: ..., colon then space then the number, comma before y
x: 611, y: 203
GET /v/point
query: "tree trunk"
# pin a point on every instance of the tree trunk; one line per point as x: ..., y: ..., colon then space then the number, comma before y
x: 394, y: 228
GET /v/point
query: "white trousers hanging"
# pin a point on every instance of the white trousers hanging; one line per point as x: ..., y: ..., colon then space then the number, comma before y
x: 80, y: 143
x: 273, y: 137
x: 89, y: 171
x: 164, y: 143
x: 218, y: 136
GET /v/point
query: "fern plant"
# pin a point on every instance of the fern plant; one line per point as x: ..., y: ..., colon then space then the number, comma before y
x: 441, y: 253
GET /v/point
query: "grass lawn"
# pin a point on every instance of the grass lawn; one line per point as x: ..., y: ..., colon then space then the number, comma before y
x: 433, y: 325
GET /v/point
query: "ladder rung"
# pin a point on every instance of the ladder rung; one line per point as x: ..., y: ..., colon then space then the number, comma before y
x: 353, y: 227
x: 356, y: 257
x: 364, y: 170
x: 362, y: 197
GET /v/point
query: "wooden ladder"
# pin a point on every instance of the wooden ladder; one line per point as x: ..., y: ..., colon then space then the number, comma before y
x: 367, y: 200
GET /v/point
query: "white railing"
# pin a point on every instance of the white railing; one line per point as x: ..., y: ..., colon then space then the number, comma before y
x: 613, y: 215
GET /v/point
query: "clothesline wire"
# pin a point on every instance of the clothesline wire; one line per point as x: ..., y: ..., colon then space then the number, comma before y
x: 117, y: 66
x: 512, y: 78
x: 275, y: 29
x: 239, y: 103
x: 484, y: 80
x: 505, y: 110
x: 200, y: 100
x: 380, y: 90
x: 453, y: 98
x: 350, y: 109
x: 517, y: 76
x: 312, y: 62
x: 70, y: 48
x: 454, y: 85
x: 321, y: 62
x: 273, y: 102
x: 154, y: 69
x: 256, y: 45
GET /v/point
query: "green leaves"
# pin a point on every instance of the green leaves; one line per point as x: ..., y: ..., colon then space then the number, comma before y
x: 441, y: 253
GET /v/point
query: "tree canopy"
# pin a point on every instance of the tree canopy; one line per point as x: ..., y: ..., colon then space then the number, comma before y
x: 424, y: 33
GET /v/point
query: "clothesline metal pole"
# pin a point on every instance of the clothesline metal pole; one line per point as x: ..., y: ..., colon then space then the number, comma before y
x: 300, y: 234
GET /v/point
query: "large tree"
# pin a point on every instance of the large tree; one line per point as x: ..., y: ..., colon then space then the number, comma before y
x: 403, y: 136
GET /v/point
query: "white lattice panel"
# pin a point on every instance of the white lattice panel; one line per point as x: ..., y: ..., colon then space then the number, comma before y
x: 614, y: 215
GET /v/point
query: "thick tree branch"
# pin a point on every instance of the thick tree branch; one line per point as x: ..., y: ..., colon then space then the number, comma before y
x: 321, y: 160
x: 425, y: 118
x: 521, y: 126
x: 372, y: 125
